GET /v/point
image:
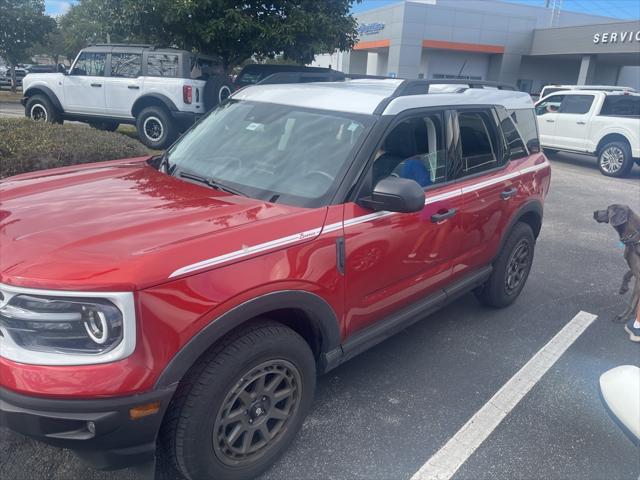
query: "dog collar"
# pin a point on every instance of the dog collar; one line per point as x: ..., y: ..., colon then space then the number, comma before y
x: 631, y: 239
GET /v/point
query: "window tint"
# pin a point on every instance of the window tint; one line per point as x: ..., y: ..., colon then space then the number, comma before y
x: 128, y: 65
x: 91, y: 64
x: 576, y: 104
x: 414, y: 149
x: 526, y: 123
x: 162, y: 65
x: 478, y: 142
x: 248, y: 78
x: 550, y: 105
x: 621, y: 106
x: 515, y: 145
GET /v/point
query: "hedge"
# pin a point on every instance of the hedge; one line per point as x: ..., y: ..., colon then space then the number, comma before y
x: 26, y: 146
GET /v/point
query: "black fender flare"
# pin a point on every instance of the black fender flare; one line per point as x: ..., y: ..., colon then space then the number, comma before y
x: 53, y: 98
x: 316, y: 309
x: 155, y: 97
x: 530, y: 207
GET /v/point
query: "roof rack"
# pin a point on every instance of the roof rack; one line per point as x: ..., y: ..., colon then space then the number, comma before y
x: 135, y: 45
x: 305, y: 77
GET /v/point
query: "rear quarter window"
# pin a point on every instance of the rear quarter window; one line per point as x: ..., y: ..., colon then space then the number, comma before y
x: 525, y: 121
x: 621, y: 106
x: 162, y: 65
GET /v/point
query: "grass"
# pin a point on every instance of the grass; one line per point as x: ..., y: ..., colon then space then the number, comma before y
x: 27, y: 146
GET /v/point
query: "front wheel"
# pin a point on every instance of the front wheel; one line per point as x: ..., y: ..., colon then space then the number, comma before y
x: 614, y: 159
x: 155, y: 128
x: 242, y: 404
x: 510, y: 270
x: 40, y: 109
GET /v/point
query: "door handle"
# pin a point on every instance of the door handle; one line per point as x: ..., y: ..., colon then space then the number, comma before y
x: 439, y: 217
x: 581, y: 123
x: 133, y: 87
x: 96, y: 84
x: 551, y: 121
x: 507, y: 194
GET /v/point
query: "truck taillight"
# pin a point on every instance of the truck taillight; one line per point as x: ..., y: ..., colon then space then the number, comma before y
x: 187, y: 93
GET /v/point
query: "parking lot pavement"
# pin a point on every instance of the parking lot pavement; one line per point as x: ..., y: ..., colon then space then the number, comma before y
x: 388, y: 411
x: 10, y: 109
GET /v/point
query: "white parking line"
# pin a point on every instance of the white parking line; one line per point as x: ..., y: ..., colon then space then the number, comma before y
x: 446, y: 461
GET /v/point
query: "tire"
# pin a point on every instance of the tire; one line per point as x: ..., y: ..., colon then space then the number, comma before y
x: 506, y: 283
x: 40, y: 109
x: 105, y: 126
x: 614, y: 159
x: 549, y: 151
x: 155, y: 128
x: 194, y: 433
x: 215, y: 91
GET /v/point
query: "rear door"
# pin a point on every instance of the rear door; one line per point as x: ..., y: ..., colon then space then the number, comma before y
x: 486, y: 170
x: 84, y: 87
x: 572, y: 122
x: 547, y: 112
x: 395, y: 259
x: 124, y: 83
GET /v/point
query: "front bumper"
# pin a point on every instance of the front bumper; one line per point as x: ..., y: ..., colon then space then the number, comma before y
x: 184, y: 120
x: 116, y: 442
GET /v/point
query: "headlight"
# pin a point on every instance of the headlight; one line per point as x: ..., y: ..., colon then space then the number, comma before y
x: 65, y: 328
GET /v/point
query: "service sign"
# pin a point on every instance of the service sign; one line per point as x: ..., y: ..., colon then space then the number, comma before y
x: 616, y: 37
x: 370, y: 28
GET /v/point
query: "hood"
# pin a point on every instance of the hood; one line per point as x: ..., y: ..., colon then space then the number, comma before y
x: 124, y: 226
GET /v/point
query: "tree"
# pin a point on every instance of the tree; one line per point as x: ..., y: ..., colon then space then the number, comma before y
x: 233, y: 30
x: 22, y: 24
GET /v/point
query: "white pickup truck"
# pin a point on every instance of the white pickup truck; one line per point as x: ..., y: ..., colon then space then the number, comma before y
x: 604, y: 124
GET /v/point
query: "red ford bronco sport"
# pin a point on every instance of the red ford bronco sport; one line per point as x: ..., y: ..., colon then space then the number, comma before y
x: 188, y: 301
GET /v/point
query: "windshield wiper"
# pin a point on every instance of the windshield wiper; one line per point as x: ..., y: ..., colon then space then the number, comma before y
x: 211, y: 182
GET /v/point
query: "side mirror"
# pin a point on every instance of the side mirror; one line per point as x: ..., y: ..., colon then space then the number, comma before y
x: 533, y: 145
x: 395, y: 194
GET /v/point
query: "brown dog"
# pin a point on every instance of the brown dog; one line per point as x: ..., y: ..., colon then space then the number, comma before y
x: 627, y: 224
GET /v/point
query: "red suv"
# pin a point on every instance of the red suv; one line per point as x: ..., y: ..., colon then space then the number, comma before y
x: 188, y: 301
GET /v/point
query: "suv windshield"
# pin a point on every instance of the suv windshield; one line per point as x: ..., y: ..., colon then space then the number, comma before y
x: 272, y: 152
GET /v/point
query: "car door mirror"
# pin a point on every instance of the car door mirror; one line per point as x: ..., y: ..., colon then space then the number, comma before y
x: 395, y: 194
x: 533, y: 145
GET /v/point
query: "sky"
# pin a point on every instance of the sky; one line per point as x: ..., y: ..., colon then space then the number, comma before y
x: 624, y: 9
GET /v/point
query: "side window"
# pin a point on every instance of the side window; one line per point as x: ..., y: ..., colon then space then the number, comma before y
x: 526, y: 123
x: 479, y: 143
x: 578, y: 104
x: 90, y: 64
x: 515, y: 145
x: 127, y: 65
x: 162, y: 65
x: 550, y: 105
x: 414, y: 149
x: 621, y: 106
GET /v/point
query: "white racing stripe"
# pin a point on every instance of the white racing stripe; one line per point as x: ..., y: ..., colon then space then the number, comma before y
x: 446, y: 461
x: 210, y: 262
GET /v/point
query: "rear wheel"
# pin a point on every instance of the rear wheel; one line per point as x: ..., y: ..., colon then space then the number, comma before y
x: 510, y: 270
x: 242, y: 404
x: 40, y: 109
x: 614, y: 159
x: 155, y: 128
x: 216, y: 91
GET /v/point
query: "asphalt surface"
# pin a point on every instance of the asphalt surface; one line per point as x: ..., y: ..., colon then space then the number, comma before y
x: 385, y: 413
x: 11, y: 109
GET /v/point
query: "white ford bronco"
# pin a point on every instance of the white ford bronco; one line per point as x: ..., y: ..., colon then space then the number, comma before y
x: 162, y: 91
x: 593, y: 122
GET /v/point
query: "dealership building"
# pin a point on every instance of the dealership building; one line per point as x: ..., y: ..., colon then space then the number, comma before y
x: 492, y: 40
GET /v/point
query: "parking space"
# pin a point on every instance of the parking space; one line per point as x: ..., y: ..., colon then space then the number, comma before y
x: 388, y: 411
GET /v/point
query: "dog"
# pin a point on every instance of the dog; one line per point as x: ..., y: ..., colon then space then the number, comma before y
x: 627, y: 224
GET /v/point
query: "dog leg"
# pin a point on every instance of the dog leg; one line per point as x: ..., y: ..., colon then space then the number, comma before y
x: 632, y: 305
x: 624, y: 288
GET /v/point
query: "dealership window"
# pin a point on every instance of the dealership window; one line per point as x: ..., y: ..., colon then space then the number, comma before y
x: 414, y: 149
x: 578, y: 104
x: 550, y: 105
x: 442, y: 76
x: 90, y: 64
x: 127, y: 65
x: 621, y: 106
x: 162, y: 65
x: 479, y: 143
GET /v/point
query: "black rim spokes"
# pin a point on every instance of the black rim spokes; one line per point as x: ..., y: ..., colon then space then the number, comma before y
x: 518, y: 265
x: 256, y: 411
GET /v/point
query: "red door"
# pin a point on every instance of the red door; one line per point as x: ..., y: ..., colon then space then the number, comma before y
x: 395, y: 259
